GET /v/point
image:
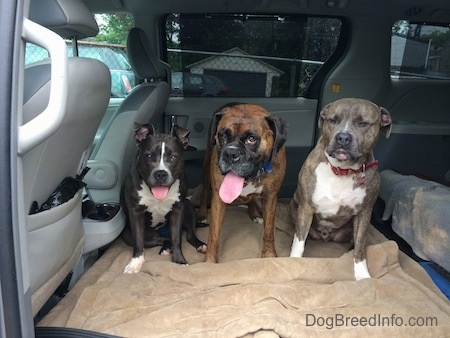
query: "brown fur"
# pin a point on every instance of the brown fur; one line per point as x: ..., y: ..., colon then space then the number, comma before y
x: 241, y: 118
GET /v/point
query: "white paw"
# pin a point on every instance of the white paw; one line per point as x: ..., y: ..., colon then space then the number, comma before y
x: 165, y: 252
x: 202, y: 248
x: 204, y: 221
x: 298, y: 247
x: 135, y: 265
x: 360, y: 269
x: 259, y: 220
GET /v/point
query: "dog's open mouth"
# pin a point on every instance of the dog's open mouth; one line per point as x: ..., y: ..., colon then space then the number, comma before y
x: 231, y: 187
x: 160, y: 192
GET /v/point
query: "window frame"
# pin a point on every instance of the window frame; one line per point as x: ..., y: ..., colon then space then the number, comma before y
x: 314, y: 87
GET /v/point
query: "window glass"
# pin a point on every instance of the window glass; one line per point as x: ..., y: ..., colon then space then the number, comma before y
x: 420, y: 51
x: 109, y: 46
x: 247, y: 55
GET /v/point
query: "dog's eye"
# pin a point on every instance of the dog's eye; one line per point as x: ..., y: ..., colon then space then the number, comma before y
x: 333, y: 121
x: 173, y: 158
x: 363, y: 124
x: 250, y: 140
x: 150, y: 156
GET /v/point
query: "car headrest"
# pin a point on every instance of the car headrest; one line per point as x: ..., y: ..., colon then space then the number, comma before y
x: 143, y: 59
x: 67, y: 18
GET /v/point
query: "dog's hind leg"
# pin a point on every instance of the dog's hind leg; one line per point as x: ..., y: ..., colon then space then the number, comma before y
x: 154, y: 238
x: 255, y: 212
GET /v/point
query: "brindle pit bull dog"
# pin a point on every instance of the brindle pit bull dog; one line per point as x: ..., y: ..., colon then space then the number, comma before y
x: 339, y: 182
x: 245, y: 161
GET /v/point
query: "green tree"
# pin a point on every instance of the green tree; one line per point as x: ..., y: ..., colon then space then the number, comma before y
x: 114, y: 28
x: 440, y: 38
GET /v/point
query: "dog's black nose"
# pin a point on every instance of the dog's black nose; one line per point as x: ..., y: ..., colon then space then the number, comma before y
x: 344, y: 139
x: 232, y: 155
x: 160, y: 175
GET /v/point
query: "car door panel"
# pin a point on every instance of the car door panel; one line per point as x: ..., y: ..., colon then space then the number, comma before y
x: 420, y: 139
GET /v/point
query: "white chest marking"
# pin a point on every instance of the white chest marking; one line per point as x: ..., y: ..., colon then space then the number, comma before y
x: 159, y: 208
x: 250, y: 188
x: 334, y: 191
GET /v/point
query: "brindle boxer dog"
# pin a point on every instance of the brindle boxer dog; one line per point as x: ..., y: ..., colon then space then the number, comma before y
x: 245, y: 160
x: 338, y: 183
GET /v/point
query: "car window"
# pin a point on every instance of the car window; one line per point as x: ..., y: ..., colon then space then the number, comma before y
x: 420, y: 51
x: 250, y: 55
x: 109, y: 46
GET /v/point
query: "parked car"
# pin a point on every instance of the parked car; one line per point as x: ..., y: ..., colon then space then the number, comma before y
x: 122, y: 76
x: 190, y: 84
x: 61, y: 267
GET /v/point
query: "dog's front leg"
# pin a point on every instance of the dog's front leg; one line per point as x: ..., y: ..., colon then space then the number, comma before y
x: 137, y: 224
x: 302, y: 217
x: 269, y: 206
x: 218, y: 208
x: 176, y: 219
x: 360, y: 225
x: 202, y: 213
x: 190, y: 223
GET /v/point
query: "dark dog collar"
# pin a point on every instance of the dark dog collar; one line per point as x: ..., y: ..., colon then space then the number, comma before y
x: 266, y: 169
x: 344, y: 172
x: 268, y: 166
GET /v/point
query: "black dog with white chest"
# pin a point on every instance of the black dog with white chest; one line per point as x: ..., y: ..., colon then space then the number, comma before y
x: 154, y: 193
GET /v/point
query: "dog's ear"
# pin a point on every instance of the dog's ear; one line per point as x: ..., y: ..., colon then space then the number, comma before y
x: 141, y: 131
x: 279, y: 129
x: 181, y: 134
x: 386, y: 122
x: 213, y: 126
x: 216, y: 118
x: 323, y: 114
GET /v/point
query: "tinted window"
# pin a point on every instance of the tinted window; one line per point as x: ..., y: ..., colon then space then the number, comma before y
x: 250, y: 55
x: 420, y: 51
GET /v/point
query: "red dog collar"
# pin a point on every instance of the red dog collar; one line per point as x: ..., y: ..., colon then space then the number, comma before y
x: 339, y: 171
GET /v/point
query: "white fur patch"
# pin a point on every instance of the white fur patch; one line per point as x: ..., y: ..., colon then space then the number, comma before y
x: 135, y: 265
x: 333, y: 191
x: 298, y: 247
x: 361, y: 271
x: 159, y: 208
x: 165, y: 252
x: 162, y: 165
x: 259, y: 220
x: 250, y: 188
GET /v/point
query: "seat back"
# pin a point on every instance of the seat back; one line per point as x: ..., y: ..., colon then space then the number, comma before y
x: 113, y: 154
x: 55, y: 237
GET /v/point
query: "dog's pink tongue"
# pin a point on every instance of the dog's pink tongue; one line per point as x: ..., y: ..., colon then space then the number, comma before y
x: 160, y: 192
x: 231, y: 187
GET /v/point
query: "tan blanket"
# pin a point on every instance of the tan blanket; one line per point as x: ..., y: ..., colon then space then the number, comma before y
x: 247, y: 296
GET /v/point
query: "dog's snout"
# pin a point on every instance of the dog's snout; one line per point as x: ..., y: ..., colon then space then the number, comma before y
x: 232, y: 155
x: 161, y: 175
x: 344, y: 139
